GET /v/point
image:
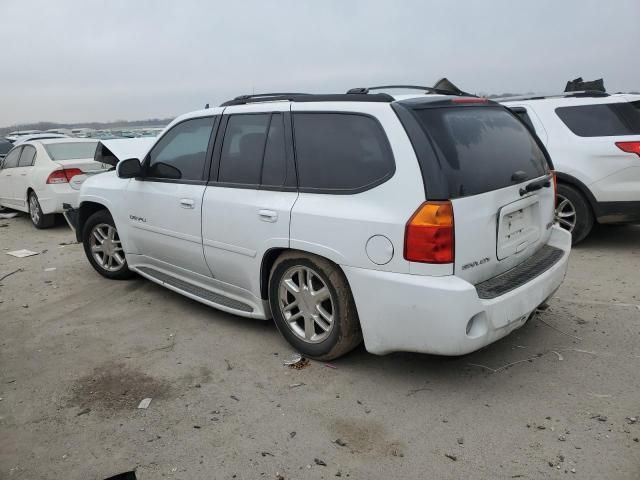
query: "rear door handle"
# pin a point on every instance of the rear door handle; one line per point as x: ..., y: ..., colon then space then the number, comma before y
x: 187, y: 203
x: 268, y: 215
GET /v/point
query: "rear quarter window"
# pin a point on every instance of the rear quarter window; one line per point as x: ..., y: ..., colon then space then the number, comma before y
x: 481, y: 148
x: 340, y: 152
x: 602, y: 120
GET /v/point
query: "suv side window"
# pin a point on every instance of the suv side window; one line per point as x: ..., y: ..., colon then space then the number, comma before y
x: 340, y: 152
x: 11, y: 160
x: 601, y: 120
x: 27, y: 157
x: 181, y: 154
x: 243, y: 149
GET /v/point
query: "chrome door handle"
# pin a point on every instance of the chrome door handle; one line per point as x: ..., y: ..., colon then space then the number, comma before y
x: 268, y: 215
x: 187, y: 203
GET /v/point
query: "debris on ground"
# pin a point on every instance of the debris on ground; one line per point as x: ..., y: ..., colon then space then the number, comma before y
x: 322, y: 463
x: 330, y: 365
x: 296, y: 361
x: 11, y: 273
x: 22, y: 253
x: 264, y: 454
x: 296, y: 385
x: 144, y: 403
x: 229, y: 366
x: 50, y: 269
x: 292, y: 434
x: 339, y: 441
x: 233, y: 397
x: 460, y: 440
x: 632, y: 420
x: 600, y: 418
x: 83, y: 412
x: 450, y: 456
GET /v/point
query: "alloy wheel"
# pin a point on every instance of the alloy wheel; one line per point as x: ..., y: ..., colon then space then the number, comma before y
x: 106, y: 247
x: 34, y: 209
x: 306, y: 304
x: 565, y: 213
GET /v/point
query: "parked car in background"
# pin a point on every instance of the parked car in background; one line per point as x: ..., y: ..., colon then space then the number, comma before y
x: 5, y: 146
x: 594, y: 141
x: 13, y: 136
x: 38, y: 176
x: 420, y: 223
x: 38, y: 136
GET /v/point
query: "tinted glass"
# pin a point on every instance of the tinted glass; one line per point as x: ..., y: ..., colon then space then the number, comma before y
x: 602, y: 120
x: 274, y: 165
x: 27, y: 157
x: 482, y: 147
x: 11, y: 160
x: 181, y: 153
x: 243, y: 148
x: 337, y: 151
x: 71, y: 151
x: 5, y: 146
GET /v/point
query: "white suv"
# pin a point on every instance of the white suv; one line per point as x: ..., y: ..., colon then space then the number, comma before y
x: 594, y: 140
x: 420, y: 223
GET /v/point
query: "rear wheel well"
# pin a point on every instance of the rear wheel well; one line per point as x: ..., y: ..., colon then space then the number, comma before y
x: 268, y: 260
x: 84, y: 212
x: 581, y: 187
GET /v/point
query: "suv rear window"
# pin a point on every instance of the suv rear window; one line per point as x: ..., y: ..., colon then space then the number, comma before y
x: 482, y: 147
x: 602, y: 120
x: 340, y: 152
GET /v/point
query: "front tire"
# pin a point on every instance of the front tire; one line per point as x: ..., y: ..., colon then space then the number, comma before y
x: 312, y: 306
x: 38, y: 218
x: 573, y: 212
x: 103, y: 247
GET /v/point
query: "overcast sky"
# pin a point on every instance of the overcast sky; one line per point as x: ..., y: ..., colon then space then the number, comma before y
x: 87, y: 60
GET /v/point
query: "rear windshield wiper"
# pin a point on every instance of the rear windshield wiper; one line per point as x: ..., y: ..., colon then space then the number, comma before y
x: 536, y: 185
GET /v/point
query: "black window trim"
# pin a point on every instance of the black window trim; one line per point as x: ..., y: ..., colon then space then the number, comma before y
x: 207, y: 161
x: 344, y: 191
x: 214, y: 173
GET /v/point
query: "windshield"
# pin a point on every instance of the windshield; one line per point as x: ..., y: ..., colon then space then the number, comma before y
x: 71, y: 150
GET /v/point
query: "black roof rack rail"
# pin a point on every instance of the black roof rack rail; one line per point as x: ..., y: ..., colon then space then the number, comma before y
x: 307, y: 97
x: 439, y: 91
x: 583, y: 93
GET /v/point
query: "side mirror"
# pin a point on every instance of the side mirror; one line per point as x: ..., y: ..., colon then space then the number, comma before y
x: 129, y: 168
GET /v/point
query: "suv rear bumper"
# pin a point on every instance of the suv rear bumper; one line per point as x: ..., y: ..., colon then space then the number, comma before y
x: 445, y: 315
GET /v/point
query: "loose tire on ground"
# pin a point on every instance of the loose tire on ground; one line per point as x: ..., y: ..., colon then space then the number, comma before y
x: 97, y: 227
x: 314, y: 272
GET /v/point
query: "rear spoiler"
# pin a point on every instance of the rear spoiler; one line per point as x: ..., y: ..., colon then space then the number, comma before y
x: 113, y: 151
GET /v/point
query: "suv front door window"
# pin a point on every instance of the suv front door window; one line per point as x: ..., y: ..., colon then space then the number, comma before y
x: 164, y: 207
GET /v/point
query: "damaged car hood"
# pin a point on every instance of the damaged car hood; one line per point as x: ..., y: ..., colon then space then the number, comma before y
x: 113, y: 151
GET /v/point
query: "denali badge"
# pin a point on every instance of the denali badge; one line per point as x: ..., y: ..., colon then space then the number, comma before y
x: 137, y: 219
x: 475, y: 263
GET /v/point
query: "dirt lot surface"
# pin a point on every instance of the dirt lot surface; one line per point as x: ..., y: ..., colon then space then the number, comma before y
x: 79, y: 352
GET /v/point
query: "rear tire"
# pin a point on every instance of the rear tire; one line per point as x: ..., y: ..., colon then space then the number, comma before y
x: 312, y: 306
x: 573, y: 212
x: 103, y: 247
x: 38, y: 218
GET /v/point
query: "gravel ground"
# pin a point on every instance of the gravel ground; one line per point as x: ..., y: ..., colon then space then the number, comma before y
x: 78, y: 353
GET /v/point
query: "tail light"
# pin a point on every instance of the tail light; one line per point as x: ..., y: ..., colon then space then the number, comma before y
x: 63, y: 176
x: 629, y: 147
x: 429, y: 235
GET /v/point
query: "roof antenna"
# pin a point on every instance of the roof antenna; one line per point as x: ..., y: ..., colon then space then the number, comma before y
x: 206, y: 107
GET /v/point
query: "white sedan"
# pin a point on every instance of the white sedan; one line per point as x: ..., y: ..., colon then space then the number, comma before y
x: 38, y: 177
